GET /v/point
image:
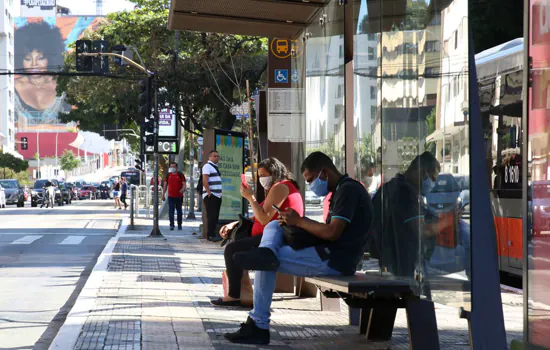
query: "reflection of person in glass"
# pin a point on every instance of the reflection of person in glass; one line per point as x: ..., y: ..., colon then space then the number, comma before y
x: 39, y: 47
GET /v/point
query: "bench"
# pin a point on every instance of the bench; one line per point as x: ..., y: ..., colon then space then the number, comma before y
x: 375, y: 299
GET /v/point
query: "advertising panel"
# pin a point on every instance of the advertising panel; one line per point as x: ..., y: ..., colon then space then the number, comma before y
x: 40, y: 43
x: 38, y: 8
x: 230, y: 146
x: 167, y: 123
x: 539, y: 131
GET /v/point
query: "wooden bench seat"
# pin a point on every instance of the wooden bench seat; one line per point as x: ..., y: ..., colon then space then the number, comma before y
x: 376, y: 299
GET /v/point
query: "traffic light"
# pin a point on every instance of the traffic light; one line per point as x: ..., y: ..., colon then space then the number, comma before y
x: 145, y: 97
x: 149, y: 134
x: 100, y: 64
x: 140, y: 163
x: 83, y: 63
x: 24, y: 143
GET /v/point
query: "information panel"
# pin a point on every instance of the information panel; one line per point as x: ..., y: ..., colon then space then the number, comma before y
x: 230, y: 146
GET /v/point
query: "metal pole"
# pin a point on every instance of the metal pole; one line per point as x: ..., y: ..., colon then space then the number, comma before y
x: 191, y: 214
x: 132, y: 203
x: 156, y: 230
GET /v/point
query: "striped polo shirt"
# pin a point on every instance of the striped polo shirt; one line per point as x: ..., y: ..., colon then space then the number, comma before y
x: 214, y: 180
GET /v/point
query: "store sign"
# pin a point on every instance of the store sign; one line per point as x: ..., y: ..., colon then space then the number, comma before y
x: 167, y: 123
x: 38, y: 8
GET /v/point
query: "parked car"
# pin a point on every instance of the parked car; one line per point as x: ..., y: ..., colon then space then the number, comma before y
x: 464, y: 187
x: 38, y: 192
x: 312, y: 198
x: 2, y: 197
x: 13, y: 192
x: 87, y: 192
x: 66, y: 194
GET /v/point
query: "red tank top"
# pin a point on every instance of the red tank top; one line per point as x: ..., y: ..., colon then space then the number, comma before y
x: 294, y: 201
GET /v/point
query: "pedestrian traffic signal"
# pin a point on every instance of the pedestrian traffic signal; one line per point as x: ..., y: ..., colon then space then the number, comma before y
x: 149, y: 132
x: 24, y: 143
x: 83, y: 63
x: 140, y: 163
x: 144, y: 98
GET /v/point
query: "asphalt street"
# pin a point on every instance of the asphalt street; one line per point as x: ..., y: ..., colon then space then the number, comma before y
x: 45, y: 258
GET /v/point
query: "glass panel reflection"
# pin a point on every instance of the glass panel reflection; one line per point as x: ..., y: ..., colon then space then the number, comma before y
x: 411, y: 113
x: 538, y: 262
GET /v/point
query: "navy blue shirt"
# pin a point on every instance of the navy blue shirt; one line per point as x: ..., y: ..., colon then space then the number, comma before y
x: 124, y: 188
x: 351, y: 203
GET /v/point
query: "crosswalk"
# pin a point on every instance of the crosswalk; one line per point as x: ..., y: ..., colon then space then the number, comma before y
x: 30, y: 239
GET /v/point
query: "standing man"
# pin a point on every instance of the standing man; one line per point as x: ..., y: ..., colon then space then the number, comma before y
x: 176, y: 184
x: 123, y: 192
x: 211, y: 196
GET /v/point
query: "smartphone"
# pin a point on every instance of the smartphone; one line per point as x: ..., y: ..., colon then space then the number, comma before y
x: 243, y: 180
x: 276, y: 208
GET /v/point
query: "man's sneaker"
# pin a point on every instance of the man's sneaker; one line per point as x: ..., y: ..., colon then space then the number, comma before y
x: 215, y: 239
x: 259, y: 259
x: 249, y: 333
x: 171, y: 228
x: 180, y: 228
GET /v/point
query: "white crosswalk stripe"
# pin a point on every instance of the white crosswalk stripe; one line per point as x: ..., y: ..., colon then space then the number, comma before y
x: 73, y: 240
x: 26, y: 239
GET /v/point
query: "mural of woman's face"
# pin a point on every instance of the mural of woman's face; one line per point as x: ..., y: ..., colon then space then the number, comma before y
x: 35, y: 62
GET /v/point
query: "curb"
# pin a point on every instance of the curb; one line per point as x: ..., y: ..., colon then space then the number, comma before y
x: 68, y: 334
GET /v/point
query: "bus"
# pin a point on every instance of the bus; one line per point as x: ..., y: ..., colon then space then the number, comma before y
x: 500, y: 82
x: 133, y: 176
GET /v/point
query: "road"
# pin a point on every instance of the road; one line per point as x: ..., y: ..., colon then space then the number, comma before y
x: 45, y: 258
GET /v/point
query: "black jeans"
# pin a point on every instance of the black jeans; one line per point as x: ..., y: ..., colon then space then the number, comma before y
x: 210, y: 214
x: 235, y: 273
x: 123, y: 200
x: 175, y: 203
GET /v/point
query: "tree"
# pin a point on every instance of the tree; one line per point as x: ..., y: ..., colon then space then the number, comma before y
x: 430, y: 128
x: 69, y: 161
x: 10, y: 165
x: 200, y: 78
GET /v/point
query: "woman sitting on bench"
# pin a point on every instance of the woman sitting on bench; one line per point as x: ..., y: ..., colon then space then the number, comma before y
x: 282, y: 191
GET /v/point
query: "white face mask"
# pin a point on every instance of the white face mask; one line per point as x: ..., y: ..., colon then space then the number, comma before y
x: 266, y: 182
x: 172, y: 170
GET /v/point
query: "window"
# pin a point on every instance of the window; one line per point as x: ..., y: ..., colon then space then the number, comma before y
x: 373, y: 112
x: 432, y: 46
x: 372, y: 54
x: 341, y: 51
x: 456, y: 39
x: 373, y: 93
x: 371, y: 37
x: 340, y: 92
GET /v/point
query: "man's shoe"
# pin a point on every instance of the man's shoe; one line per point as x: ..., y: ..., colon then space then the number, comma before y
x: 171, y: 228
x: 249, y: 333
x: 180, y: 228
x: 259, y: 259
x: 215, y: 239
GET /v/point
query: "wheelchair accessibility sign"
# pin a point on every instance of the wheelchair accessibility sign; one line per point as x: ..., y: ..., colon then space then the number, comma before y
x: 281, y: 76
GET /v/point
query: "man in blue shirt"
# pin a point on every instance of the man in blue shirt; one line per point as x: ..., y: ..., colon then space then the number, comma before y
x: 344, y: 238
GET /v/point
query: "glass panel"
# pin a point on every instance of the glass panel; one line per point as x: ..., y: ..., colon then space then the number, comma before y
x: 412, y: 99
x: 325, y: 87
x: 539, y: 177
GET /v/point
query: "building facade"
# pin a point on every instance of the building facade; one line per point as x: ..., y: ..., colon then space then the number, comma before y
x: 7, y: 87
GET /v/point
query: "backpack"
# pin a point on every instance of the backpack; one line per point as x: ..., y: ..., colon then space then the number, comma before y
x: 199, y: 182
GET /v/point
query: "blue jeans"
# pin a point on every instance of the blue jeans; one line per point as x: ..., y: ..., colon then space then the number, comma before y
x: 175, y: 203
x: 302, y: 263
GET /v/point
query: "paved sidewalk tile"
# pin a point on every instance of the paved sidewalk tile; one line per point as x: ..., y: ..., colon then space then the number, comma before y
x: 156, y: 295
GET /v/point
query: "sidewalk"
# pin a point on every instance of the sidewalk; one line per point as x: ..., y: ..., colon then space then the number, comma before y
x: 154, y: 294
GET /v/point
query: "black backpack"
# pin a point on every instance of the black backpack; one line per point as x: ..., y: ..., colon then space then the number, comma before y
x: 199, y: 182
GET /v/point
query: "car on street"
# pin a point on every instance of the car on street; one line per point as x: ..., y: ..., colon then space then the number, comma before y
x: 312, y: 198
x: 2, y: 197
x: 86, y: 192
x: 38, y: 192
x: 66, y: 193
x: 464, y: 187
x: 13, y: 192
x: 445, y: 195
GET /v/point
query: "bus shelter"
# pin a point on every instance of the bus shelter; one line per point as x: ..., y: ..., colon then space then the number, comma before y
x: 374, y: 84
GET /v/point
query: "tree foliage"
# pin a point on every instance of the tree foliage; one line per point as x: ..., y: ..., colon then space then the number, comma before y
x: 204, y: 75
x: 69, y: 161
x: 10, y: 165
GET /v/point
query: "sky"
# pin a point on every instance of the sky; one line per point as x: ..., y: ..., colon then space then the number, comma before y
x: 88, y: 7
